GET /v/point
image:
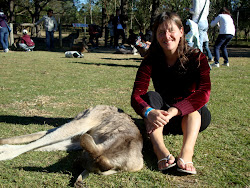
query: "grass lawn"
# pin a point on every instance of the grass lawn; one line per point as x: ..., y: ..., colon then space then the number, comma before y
x: 41, y: 90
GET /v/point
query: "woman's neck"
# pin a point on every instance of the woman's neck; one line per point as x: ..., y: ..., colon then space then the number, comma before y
x: 171, y: 58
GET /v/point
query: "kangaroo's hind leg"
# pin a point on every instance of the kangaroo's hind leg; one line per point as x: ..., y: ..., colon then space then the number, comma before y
x: 79, y: 125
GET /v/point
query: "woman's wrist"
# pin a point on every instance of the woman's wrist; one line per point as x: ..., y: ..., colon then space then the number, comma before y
x: 146, y: 111
x: 174, y: 111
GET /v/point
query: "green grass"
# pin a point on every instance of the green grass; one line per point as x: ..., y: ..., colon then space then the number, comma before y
x: 40, y: 90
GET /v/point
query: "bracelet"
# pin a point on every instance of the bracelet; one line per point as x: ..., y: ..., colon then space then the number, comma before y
x: 147, y: 112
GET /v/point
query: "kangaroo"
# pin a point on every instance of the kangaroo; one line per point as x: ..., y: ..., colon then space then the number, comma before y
x: 110, y: 140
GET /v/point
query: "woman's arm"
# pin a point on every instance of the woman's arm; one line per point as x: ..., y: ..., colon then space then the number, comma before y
x: 140, y: 88
x: 215, y: 21
x: 199, y: 96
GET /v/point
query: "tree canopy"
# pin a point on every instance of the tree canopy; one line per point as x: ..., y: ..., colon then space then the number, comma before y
x: 140, y: 12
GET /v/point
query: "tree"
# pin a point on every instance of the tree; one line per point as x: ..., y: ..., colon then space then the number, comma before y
x: 154, y: 11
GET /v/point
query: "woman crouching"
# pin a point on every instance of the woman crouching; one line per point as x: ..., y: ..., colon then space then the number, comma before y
x: 181, y: 79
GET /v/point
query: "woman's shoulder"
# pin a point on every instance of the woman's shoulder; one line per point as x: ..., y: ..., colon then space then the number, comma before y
x: 193, y: 53
x: 196, y: 56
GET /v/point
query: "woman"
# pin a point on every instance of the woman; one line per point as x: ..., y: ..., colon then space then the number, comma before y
x: 4, y: 32
x: 227, y: 31
x: 200, y: 11
x: 182, y: 85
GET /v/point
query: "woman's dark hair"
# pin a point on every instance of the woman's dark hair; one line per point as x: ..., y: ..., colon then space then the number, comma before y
x: 155, y: 49
x: 224, y: 10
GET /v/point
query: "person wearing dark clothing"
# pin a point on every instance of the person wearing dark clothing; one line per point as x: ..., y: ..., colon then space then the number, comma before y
x: 181, y: 79
x: 148, y: 35
x: 132, y: 37
x: 4, y: 31
x: 94, y: 33
x: 119, y: 27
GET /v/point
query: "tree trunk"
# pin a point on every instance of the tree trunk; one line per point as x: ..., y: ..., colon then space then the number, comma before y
x: 36, y: 16
x: 154, y: 12
x: 11, y: 9
x: 124, y: 12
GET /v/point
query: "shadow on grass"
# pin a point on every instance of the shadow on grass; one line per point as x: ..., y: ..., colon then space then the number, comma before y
x: 129, y: 59
x: 108, y: 64
x: 34, y: 120
x: 66, y: 165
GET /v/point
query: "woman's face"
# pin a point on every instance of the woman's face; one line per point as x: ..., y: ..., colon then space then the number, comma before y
x: 168, y: 35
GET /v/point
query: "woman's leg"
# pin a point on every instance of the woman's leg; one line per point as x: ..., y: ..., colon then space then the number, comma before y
x: 191, y: 124
x: 228, y: 38
x: 3, y: 30
x: 159, y: 147
x: 219, y: 41
x: 155, y: 100
x: 203, y: 27
x: 48, y: 40
x: 209, y: 54
x: 6, y: 37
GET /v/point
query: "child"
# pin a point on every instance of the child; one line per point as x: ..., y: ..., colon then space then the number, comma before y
x: 26, y: 42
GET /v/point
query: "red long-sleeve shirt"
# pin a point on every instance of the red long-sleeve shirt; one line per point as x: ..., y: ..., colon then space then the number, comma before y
x: 27, y: 40
x: 187, y: 90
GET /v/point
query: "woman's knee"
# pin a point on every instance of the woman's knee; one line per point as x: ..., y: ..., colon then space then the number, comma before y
x: 194, y: 117
x: 205, y: 118
x: 154, y: 99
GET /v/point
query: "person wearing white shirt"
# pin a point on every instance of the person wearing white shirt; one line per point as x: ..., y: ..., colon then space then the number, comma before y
x: 197, y: 12
x: 226, y: 33
x: 50, y: 25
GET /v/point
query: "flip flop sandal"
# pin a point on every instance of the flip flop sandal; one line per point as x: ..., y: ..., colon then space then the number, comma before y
x: 167, y: 159
x: 186, y: 171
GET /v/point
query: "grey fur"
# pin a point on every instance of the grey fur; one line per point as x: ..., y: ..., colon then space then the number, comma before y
x: 110, y: 140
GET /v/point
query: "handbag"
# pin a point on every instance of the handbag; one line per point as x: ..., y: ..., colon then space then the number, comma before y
x: 9, y: 29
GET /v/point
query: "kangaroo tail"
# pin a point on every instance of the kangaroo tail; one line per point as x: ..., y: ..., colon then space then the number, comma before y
x: 23, y: 139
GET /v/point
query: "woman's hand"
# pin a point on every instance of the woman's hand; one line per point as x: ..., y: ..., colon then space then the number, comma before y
x: 159, y: 118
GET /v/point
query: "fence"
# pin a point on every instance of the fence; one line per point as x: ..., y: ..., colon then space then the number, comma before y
x: 65, y: 37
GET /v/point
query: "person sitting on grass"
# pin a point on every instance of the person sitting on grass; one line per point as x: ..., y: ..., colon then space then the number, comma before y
x: 26, y: 42
x: 181, y: 79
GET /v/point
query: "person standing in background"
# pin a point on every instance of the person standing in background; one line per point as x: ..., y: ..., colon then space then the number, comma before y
x: 119, y: 27
x: 50, y: 25
x: 4, y: 31
x: 200, y: 11
x: 226, y: 33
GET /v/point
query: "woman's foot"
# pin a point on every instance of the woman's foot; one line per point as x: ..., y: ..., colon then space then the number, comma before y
x: 186, y: 167
x: 166, y: 162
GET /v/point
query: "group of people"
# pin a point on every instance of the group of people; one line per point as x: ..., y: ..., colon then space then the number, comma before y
x: 198, y: 36
x: 26, y: 43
